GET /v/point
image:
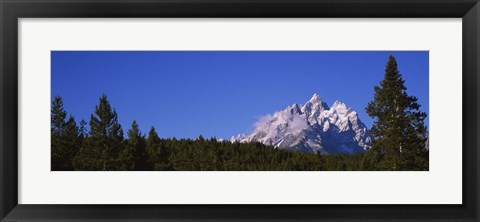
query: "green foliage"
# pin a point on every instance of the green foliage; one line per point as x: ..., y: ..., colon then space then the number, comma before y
x: 157, y: 153
x: 212, y: 155
x: 101, y: 149
x: 133, y: 156
x: 399, y: 134
x: 65, y: 137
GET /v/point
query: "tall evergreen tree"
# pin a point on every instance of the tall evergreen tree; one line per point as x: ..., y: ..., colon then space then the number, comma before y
x: 65, y: 138
x: 58, y: 115
x: 152, y: 147
x: 102, y: 147
x: 158, y: 153
x: 133, y: 156
x: 399, y: 133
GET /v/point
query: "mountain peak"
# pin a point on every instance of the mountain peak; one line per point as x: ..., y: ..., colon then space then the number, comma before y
x: 315, y: 98
x: 312, y: 128
x: 294, y: 108
x: 314, y: 105
x: 340, y: 107
x: 338, y: 104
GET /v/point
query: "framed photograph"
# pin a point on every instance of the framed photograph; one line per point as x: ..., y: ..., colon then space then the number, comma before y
x: 225, y: 110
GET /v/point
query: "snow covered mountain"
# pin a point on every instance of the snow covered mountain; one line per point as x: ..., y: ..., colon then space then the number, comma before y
x: 313, y: 127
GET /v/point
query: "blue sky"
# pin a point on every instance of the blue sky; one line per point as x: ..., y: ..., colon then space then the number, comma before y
x: 222, y: 93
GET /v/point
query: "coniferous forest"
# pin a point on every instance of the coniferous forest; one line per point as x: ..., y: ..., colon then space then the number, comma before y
x: 399, y: 138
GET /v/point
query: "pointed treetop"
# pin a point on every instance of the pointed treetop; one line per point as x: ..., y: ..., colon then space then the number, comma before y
x: 152, y: 133
x: 58, y: 114
x: 134, y: 124
x: 134, y: 131
x: 393, y: 79
x: 392, y: 66
x: 152, y: 137
x: 152, y: 129
x: 391, y: 58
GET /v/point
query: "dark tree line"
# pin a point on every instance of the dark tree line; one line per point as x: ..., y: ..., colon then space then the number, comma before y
x: 399, y: 138
x: 103, y: 147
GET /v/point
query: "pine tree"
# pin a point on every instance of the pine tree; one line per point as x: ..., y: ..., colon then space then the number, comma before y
x: 102, y: 147
x: 65, y: 138
x: 153, y: 147
x: 133, y: 156
x: 399, y: 133
x: 58, y: 115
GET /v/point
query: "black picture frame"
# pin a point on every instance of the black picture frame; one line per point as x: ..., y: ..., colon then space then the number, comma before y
x: 12, y: 10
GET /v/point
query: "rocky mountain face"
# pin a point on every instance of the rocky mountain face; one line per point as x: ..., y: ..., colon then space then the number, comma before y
x: 314, y: 127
